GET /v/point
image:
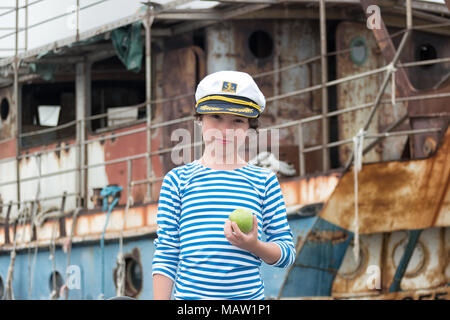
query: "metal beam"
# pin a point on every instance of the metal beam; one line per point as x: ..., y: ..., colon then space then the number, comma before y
x: 233, y: 13
x: 324, y: 72
x: 148, y: 21
x: 83, y: 98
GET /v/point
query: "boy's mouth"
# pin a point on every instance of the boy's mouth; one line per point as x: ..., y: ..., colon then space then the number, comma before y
x: 222, y: 141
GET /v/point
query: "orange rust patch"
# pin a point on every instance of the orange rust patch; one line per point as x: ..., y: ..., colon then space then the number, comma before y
x: 324, y: 236
x: 398, y: 195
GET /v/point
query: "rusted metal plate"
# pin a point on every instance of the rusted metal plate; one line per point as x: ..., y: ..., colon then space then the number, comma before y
x: 427, y: 264
x: 356, y: 92
x: 380, y: 255
x: 353, y: 276
x: 181, y: 68
x: 364, y: 90
x: 395, y: 195
x: 440, y: 293
x: 308, y: 190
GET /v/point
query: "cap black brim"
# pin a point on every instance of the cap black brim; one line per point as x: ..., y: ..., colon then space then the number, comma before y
x: 208, y: 107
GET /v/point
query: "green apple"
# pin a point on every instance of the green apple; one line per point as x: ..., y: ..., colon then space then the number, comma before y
x: 243, y: 218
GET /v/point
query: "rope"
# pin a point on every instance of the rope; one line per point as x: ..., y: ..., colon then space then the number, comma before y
x: 34, y: 214
x: 105, y: 193
x: 68, y: 248
x: 32, y: 266
x: 54, y: 293
x: 358, y: 143
x: 9, y: 278
x: 52, y: 212
x: 121, y: 266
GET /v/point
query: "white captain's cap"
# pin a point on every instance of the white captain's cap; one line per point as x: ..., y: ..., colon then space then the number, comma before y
x: 230, y: 92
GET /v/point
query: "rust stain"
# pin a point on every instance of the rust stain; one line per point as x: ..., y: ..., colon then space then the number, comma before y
x: 180, y: 77
x: 89, y: 225
x: 325, y: 236
x: 8, y: 149
x: 308, y: 190
x: 122, y: 147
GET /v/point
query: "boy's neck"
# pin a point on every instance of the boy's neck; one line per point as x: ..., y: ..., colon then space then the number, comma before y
x: 222, y: 164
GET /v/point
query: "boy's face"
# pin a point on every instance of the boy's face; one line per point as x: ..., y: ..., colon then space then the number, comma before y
x: 225, y: 132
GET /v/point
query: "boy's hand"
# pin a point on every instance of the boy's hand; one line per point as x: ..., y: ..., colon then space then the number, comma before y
x: 247, y: 241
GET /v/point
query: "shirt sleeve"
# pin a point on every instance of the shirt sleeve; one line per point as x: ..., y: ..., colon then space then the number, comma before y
x: 275, y: 224
x: 167, y: 243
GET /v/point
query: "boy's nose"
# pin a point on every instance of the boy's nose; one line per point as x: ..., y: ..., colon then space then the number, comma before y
x: 226, y: 126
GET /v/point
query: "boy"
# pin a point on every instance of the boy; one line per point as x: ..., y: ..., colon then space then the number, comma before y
x: 198, y: 248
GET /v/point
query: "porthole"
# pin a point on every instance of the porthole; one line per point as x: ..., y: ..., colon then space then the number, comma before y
x: 426, y: 52
x: 417, y: 261
x: 4, y: 109
x: 55, y: 282
x: 358, y: 50
x: 133, y: 274
x: 260, y: 44
x: 350, y: 268
x: 2, y: 288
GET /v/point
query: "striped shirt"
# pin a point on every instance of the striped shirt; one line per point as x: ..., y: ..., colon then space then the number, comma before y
x: 191, y: 248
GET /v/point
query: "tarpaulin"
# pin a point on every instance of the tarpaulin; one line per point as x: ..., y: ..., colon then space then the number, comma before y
x: 129, y: 45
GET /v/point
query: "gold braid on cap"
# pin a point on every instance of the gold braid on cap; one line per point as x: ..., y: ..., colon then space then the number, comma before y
x: 231, y: 100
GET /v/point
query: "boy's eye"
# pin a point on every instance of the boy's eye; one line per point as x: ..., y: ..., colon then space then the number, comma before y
x: 216, y: 116
x: 238, y: 121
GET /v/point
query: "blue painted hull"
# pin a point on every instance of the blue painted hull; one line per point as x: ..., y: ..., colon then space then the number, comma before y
x: 88, y: 258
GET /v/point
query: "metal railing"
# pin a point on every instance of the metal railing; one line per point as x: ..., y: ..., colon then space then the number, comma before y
x: 82, y: 168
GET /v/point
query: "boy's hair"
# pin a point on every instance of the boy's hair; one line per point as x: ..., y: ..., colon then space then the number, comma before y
x: 252, y: 122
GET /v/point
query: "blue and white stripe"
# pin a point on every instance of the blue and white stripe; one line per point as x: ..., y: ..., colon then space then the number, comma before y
x: 191, y: 248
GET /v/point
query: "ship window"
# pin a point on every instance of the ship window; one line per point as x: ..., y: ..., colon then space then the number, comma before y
x: 55, y: 283
x: 359, y: 50
x: 46, y: 105
x: 115, y: 93
x: 426, y: 52
x: 4, y: 109
x: 2, y: 288
x: 260, y: 44
x: 133, y: 274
